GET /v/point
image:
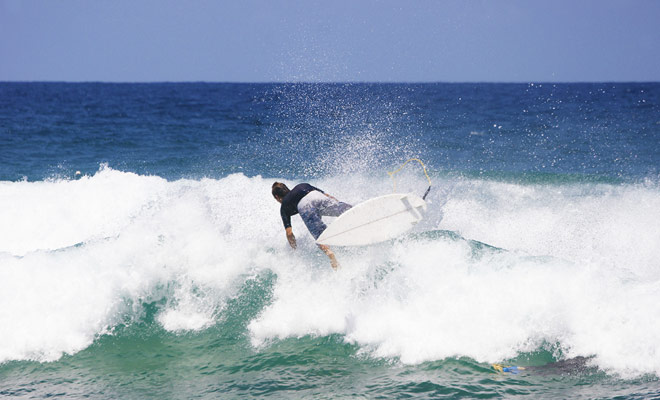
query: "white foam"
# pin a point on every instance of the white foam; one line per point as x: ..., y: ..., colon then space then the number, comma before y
x: 105, y: 244
x: 50, y: 215
x: 604, y: 225
x: 593, y: 293
x: 581, y: 270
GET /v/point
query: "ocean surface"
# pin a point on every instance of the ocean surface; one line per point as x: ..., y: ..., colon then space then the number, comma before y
x: 142, y: 255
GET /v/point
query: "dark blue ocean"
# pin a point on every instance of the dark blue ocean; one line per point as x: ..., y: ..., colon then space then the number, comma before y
x: 142, y: 255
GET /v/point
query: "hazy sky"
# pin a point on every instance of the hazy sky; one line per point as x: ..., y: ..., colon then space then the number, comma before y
x: 330, y: 40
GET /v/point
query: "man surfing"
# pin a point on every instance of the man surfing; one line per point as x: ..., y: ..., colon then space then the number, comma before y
x: 311, y: 203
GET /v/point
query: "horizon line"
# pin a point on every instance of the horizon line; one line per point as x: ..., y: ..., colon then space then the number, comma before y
x: 348, y: 82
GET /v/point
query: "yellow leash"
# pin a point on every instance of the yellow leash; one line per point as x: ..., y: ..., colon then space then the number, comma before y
x: 391, y: 174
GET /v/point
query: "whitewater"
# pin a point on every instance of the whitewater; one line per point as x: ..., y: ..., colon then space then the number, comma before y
x: 496, y: 270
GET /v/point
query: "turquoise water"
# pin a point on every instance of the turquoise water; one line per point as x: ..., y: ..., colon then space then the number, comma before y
x: 161, y: 270
x: 142, y: 360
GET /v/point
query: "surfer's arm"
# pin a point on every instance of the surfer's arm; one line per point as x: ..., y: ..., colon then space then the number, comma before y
x: 290, y: 237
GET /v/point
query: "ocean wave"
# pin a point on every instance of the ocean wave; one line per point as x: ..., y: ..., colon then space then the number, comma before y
x: 496, y: 270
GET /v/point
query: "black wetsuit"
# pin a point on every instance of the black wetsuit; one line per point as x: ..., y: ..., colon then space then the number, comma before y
x: 291, y: 200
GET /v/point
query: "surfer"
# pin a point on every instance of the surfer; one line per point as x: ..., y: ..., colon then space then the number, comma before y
x: 311, y: 203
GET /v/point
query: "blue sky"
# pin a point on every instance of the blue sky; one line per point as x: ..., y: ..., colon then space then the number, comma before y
x: 339, y: 40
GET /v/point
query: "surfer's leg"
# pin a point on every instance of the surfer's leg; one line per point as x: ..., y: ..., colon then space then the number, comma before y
x: 334, y: 208
x: 310, y: 210
x: 311, y: 216
x: 333, y: 260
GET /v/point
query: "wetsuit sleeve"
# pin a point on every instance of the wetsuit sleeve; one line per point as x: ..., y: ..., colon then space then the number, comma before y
x: 286, y: 218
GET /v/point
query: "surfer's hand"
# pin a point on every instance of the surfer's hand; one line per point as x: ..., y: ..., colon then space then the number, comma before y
x: 291, y: 238
x: 292, y: 242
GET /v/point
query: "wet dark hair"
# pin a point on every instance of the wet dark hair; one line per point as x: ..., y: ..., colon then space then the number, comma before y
x: 280, y: 190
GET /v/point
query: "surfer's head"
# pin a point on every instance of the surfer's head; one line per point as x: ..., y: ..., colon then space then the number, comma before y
x: 279, y: 191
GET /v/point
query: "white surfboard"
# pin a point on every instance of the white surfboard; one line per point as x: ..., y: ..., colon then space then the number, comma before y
x: 375, y: 220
